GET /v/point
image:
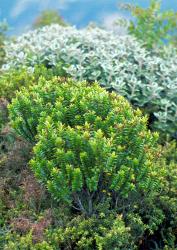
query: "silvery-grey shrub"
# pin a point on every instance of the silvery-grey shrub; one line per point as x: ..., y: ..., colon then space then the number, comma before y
x: 120, y: 62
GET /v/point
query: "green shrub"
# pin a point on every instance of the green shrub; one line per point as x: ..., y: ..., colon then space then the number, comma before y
x: 17, y: 242
x: 31, y: 103
x: 167, y: 201
x: 101, y: 232
x: 169, y: 152
x: 12, y: 80
x: 100, y: 146
x: 93, y: 233
x: 48, y: 17
x: 93, y: 149
x: 153, y: 27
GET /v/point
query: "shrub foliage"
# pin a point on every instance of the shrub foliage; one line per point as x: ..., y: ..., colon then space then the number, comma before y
x: 3, y: 29
x: 93, y: 150
x: 91, y: 146
x: 48, y: 17
x: 113, y: 186
x: 13, y: 80
x: 119, y: 62
x: 153, y: 27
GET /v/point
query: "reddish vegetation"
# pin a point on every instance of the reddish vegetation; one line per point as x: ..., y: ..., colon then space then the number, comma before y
x: 23, y: 225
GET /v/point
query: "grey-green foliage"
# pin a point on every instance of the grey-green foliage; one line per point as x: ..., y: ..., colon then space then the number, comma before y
x: 145, y: 78
x: 3, y: 29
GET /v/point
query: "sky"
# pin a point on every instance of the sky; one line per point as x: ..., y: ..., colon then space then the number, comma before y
x: 21, y: 13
